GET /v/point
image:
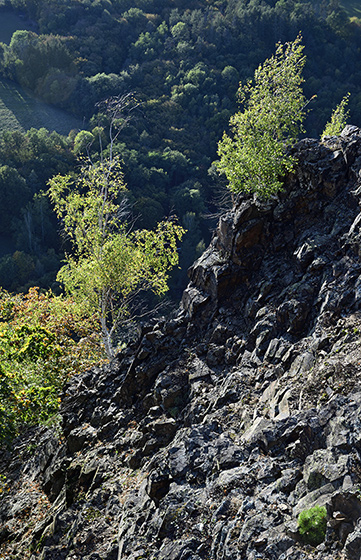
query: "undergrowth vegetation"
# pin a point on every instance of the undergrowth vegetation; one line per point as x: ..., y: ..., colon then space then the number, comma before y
x: 312, y: 525
x: 44, y: 339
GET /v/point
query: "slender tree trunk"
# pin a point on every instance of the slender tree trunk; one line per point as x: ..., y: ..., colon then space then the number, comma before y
x: 107, y: 339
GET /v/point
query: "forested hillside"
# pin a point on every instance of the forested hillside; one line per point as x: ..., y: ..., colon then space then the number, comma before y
x: 184, y: 66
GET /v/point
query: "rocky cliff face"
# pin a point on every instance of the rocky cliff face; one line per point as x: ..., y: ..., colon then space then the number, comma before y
x: 208, y: 437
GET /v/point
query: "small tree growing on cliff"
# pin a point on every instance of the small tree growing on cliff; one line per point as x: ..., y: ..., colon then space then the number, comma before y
x: 109, y: 265
x: 338, y: 119
x: 255, y: 156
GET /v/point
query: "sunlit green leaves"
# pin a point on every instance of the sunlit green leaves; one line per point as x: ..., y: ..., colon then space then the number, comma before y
x: 254, y: 157
x: 110, y: 264
x: 43, y: 340
x: 338, y: 119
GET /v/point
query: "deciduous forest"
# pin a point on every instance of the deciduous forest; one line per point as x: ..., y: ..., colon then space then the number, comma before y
x: 183, y: 66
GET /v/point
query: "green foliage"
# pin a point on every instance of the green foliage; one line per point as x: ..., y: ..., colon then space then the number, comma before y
x: 110, y: 265
x: 43, y: 341
x: 338, y: 119
x: 83, y: 141
x: 21, y: 270
x: 185, y: 63
x: 312, y: 525
x: 41, y: 63
x: 14, y: 192
x: 255, y: 157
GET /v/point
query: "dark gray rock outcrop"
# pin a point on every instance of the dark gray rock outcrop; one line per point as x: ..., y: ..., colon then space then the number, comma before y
x: 206, y: 438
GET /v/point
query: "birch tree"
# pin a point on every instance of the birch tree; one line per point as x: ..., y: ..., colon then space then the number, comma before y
x: 254, y: 156
x: 109, y: 265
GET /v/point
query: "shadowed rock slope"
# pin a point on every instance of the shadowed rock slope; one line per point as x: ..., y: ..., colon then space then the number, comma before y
x: 206, y: 439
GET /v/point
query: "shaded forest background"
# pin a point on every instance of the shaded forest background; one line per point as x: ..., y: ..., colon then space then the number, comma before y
x: 184, y: 66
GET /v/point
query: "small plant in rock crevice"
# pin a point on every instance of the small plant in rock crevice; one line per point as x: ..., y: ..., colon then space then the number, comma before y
x: 312, y: 525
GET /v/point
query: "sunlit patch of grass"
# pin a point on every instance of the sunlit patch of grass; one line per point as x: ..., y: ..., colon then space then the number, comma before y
x: 19, y: 110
